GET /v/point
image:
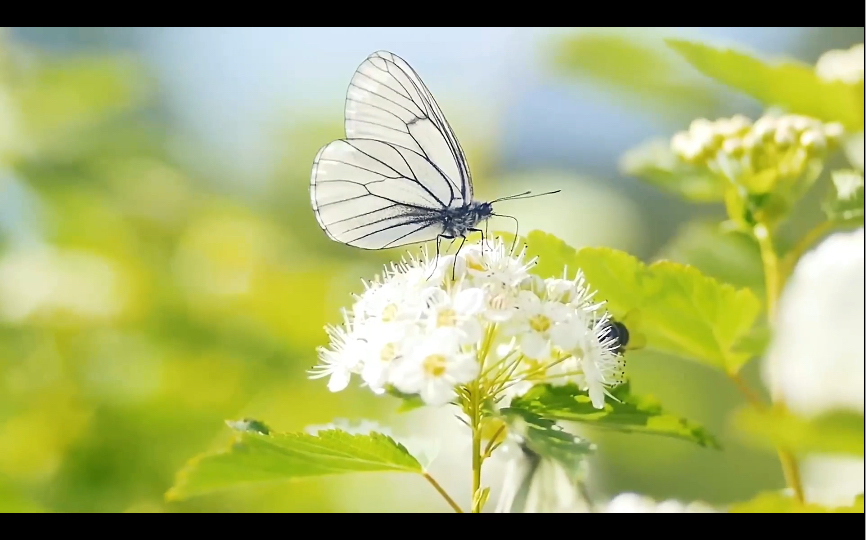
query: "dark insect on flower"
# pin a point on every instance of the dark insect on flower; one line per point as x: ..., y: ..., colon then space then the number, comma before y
x: 618, y: 331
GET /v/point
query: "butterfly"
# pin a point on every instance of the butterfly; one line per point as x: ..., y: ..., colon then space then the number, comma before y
x: 400, y: 176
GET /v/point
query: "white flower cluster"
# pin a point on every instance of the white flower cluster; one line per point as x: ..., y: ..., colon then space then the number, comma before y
x: 429, y: 326
x: 842, y: 65
x: 633, y: 503
x: 735, y: 146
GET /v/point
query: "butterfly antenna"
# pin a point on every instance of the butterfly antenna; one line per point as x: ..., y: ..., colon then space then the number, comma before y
x: 524, y: 195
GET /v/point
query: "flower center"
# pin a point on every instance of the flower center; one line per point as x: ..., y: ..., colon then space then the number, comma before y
x: 434, y: 365
x: 446, y: 317
x: 388, y: 352
x: 475, y: 264
x: 539, y: 323
x: 389, y: 313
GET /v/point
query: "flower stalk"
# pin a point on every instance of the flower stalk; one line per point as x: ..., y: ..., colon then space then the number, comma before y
x: 774, y: 283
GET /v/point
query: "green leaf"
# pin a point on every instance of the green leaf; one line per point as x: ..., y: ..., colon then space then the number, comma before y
x: 778, y: 503
x: 256, y: 458
x: 635, y: 68
x: 792, y: 85
x: 655, y: 162
x: 834, y: 432
x: 249, y: 424
x: 630, y: 414
x: 409, y: 402
x: 728, y: 256
x: 844, y: 203
x: 544, y: 437
x: 683, y: 312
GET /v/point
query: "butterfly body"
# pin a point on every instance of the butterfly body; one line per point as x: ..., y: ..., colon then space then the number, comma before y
x: 456, y: 222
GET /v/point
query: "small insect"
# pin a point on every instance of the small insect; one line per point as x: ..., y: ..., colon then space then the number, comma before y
x: 625, y: 339
x: 400, y: 176
x: 618, y: 331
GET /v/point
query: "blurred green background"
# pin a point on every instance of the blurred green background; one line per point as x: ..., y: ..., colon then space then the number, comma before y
x: 161, y: 270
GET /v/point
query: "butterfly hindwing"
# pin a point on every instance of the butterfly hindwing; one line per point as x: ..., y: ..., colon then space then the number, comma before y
x: 374, y: 195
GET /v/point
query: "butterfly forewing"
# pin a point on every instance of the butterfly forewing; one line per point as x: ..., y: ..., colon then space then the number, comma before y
x: 387, y: 101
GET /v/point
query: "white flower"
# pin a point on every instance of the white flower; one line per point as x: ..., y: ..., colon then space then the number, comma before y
x: 815, y: 361
x: 342, y: 359
x: 387, y: 343
x: 435, y: 367
x: 457, y: 312
x: 841, y: 65
x: 536, y: 323
x: 420, y: 331
x: 632, y: 503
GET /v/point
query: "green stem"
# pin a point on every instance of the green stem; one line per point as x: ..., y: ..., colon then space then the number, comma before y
x: 812, y: 237
x: 442, y: 492
x: 773, y: 279
x: 475, y: 415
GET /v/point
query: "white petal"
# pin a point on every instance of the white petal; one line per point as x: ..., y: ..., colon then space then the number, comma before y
x: 567, y: 335
x: 463, y: 369
x: 339, y: 380
x: 534, y: 346
x: 436, y: 392
x: 472, y: 331
x: 469, y: 301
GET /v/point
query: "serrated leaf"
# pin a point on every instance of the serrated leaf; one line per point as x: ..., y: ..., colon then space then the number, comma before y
x: 544, y: 437
x: 683, y: 312
x: 792, y: 85
x: 779, y: 503
x: 728, y: 256
x: 256, y: 458
x: 655, y: 162
x: 834, y: 432
x: 844, y: 203
x: 630, y: 414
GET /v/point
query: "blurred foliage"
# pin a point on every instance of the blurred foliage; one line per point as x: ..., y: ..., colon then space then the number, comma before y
x: 777, y: 503
x: 654, y: 162
x: 792, y: 85
x: 637, y: 66
x: 834, y: 432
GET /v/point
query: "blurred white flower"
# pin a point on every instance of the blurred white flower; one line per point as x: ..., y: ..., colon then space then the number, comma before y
x: 535, y: 485
x: 633, y: 503
x: 424, y: 331
x: 844, y: 65
x: 42, y: 280
x: 815, y: 361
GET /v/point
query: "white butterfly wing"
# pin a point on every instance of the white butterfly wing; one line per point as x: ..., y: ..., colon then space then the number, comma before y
x: 387, y: 101
x: 374, y: 195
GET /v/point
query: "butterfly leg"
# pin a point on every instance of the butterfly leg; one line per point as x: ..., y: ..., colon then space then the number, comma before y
x: 436, y: 260
x: 483, y: 236
x: 454, y: 266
